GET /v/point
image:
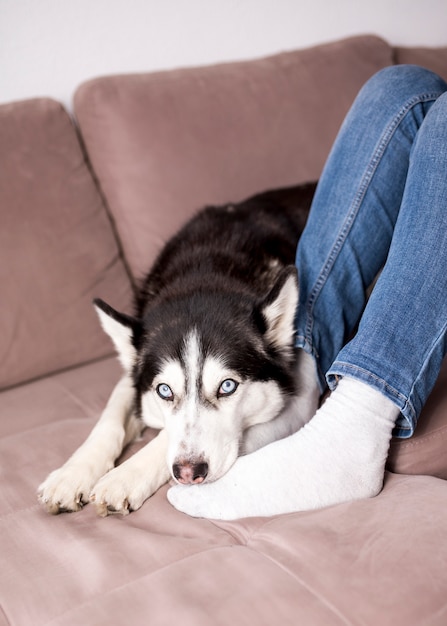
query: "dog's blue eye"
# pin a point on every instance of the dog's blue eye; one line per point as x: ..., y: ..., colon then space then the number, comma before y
x: 165, y: 391
x: 227, y: 387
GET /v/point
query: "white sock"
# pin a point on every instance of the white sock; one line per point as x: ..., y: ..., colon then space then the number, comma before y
x: 337, y: 457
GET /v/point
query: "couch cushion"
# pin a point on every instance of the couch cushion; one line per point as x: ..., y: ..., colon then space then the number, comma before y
x: 356, y: 563
x: 164, y: 144
x: 57, y: 247
x: 434, y: 59
x: 426, y: 451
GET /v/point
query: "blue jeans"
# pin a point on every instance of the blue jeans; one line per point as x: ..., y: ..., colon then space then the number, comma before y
x: 381, y: 203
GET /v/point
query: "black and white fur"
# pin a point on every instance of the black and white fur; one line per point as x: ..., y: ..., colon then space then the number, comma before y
x: 208, y: 358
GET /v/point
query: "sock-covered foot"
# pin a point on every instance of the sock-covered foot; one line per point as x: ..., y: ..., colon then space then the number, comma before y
x: 337, y: 457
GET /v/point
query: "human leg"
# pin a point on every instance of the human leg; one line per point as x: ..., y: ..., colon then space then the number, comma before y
x: 355, y: 209
x: 402, y: 339
x: 340, y: 454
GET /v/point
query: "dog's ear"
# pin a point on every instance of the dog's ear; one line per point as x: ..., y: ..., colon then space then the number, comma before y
x: 279, y: 309
x: 124, y: 331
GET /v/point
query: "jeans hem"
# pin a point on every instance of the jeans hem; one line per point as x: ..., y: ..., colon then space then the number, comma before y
x: 406, y: 422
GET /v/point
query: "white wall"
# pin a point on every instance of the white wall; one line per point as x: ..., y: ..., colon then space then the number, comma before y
x: 48, y: 47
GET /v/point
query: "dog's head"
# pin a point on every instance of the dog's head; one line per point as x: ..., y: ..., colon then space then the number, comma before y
x: 206, y: 367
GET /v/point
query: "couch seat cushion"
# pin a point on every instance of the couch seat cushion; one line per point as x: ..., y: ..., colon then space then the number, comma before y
x: 377, y: 561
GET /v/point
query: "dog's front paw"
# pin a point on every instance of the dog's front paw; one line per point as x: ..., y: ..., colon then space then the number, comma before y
x: 119, y: 491
x: 67, y: 489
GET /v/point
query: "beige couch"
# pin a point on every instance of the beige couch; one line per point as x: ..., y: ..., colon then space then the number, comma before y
x: 83, y: 216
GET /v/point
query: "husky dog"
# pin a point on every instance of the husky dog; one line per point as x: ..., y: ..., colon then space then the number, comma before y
x: 208, y: 359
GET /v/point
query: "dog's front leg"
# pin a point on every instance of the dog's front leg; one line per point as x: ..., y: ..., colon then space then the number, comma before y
x: 126, y: 487
x: 68, y: 488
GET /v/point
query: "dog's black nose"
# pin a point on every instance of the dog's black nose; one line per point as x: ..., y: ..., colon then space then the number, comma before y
x: 188, y: 473
x: 200, y: 472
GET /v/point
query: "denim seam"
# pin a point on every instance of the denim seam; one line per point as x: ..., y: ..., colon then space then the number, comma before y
x: 436, y: 341
x: 355, y: 207
x: 409, y: 417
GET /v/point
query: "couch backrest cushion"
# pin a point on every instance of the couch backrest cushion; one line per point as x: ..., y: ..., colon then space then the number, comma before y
x: 165, y: 144
x: 434, y: 59
x: 57, y: 246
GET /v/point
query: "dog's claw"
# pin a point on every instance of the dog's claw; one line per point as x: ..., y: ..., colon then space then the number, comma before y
x: 54, y: 508
x: 103, y: 509
x: 50, y: 507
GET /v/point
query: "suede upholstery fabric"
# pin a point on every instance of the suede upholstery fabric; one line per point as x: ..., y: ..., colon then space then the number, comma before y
x: 161, y: 146
x: 57, y: 245
x: 434, y: 59
x: 379, y: 561
x: 425, y: 452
